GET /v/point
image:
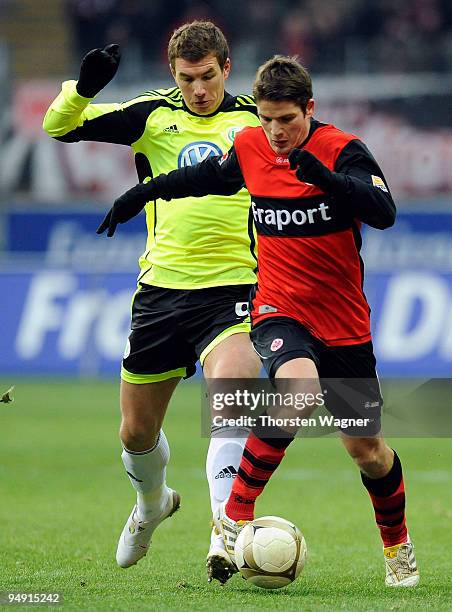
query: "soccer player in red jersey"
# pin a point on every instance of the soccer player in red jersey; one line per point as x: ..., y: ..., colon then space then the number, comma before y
x: 311, y: 186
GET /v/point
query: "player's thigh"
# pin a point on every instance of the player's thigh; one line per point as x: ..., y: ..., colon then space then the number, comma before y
x: 146, y: 404
x: 289, y: 354
x: 231, y: 365
x: 300, y: 367
x: 232, y: 357
x: 218, y: 324
x: 286, y: 348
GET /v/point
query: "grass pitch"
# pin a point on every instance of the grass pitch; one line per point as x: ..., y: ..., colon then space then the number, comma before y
x: 65, y: 497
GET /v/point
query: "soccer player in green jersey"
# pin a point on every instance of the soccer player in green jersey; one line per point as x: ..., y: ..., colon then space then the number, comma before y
x: 196, y: 270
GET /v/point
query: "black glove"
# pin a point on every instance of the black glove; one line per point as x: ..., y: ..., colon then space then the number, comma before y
x: 98, y: 67
x: 127, y: 206
x: 310, y: 169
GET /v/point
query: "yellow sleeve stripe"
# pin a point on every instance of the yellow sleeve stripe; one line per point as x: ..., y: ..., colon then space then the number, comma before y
x: 172, y: 92
x: 173, y: 95
x: 176, y: 94
x: 244, y: 100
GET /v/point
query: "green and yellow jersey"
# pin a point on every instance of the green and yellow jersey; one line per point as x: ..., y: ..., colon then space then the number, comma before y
x: 193, y: 242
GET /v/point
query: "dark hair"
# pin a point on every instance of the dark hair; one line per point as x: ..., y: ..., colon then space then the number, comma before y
x: 283, y: 78
x: 193, y: 41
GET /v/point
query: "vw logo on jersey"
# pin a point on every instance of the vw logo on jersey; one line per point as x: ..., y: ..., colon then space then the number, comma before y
x: 232, y: 132
x: 196, y: 152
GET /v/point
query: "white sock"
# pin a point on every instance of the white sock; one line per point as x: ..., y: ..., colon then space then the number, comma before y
x: 223, y: 460
x: 147, y: 473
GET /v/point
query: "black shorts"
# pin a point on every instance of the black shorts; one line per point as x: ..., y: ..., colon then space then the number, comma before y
x: 347, y: 373
x: 173, y: 328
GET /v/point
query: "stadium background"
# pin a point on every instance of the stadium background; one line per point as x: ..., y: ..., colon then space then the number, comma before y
x: 382, y: 70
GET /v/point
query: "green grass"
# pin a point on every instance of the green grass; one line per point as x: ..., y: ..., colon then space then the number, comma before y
x: 64, y: 499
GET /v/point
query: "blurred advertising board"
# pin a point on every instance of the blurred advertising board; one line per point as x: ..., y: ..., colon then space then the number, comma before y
x: 409, y: 287
x: 59, y: 322
x: 413, y: 147
x: 67, y: 293
x: 68, y: 239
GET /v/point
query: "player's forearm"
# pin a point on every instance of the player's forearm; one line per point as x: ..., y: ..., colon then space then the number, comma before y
x: 370, y: 204
x: 66, y: 112
x: 356, y: 182
x: 72, y: 118
x: 208, y: 177
x: 196, y: 181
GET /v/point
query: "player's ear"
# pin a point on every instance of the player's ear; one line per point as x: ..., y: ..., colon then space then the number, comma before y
x: 227, y: 68
x: 310, y: 106
x: 173, y: 72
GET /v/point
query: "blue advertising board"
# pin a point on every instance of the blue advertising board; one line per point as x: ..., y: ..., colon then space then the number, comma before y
x: 67, y: 312
x: 68, y: 239
x: 409, y: 287
x: 63, y: 322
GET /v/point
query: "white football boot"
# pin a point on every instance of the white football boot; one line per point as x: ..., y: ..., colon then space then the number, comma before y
x: 218, y: 563
x: 136, y: 536
x: 401, y: 568
x: 228, y: 529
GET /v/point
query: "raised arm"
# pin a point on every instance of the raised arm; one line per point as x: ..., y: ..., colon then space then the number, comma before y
x: 71, y: 117
x: 357, y: 179
x: 215, y: 176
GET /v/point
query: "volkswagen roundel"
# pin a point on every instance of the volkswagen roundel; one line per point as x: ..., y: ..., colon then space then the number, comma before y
x: 196, y: 152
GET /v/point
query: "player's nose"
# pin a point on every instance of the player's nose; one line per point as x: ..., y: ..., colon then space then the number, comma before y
x: 199, y: 90
x: 275, y: 129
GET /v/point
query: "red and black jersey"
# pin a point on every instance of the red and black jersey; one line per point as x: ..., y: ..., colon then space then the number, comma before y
x: 309, y: 267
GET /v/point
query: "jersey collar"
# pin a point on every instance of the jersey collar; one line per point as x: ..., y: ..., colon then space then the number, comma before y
x: 227, y: 103
x: 314, y: 125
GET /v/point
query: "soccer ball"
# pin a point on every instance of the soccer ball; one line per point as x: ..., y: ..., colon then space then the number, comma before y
x: 270, y: 552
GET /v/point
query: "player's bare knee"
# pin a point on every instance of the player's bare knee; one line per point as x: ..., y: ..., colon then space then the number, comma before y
x: 138, y: 435
x: 371, y: 455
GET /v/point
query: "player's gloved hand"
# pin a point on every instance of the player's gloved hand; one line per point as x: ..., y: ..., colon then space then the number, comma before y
x: 127, y: 206
x: 309, y: 169
x: 98, y: 67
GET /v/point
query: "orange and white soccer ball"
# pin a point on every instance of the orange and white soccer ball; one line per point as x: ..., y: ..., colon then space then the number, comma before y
x: 270, y: 552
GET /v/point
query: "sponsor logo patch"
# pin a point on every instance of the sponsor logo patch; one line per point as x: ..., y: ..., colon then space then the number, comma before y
x: 223, y: 158
x: 276, y: 344
x: 378, y: 182
x: 233, y: 131
x: 196, y: 152
x: 264, y: 308
x: 283, y: 217
x: 171, y: 129
x: 241, y: 309
x: 371, y: 404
